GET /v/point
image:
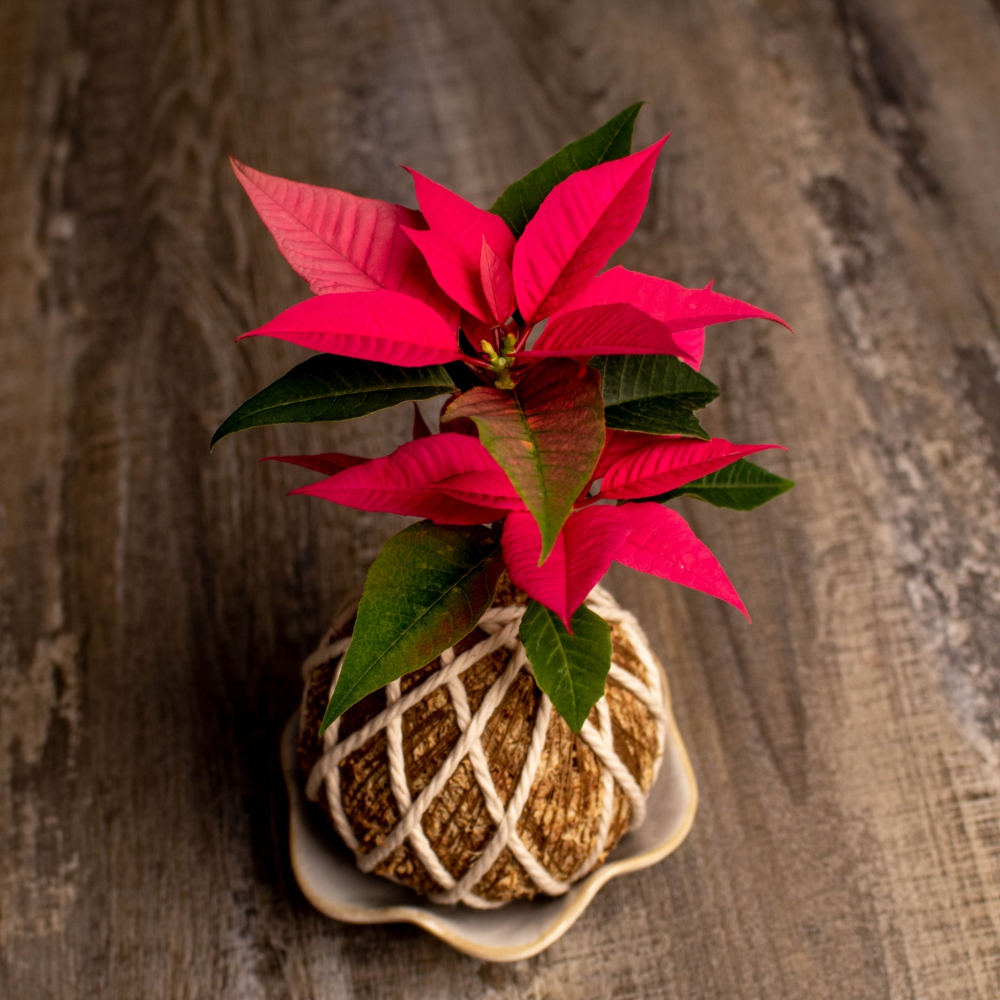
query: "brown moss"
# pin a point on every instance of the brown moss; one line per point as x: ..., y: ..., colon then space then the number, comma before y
x: 561, y: 817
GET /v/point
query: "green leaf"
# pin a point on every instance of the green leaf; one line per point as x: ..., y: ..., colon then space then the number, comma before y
x: 653, y: 393
x: 547, y: 434
x: 665, y: 417
x: 330, y: 387
x: 740, y: 486
x: 613, y: 140
x: 425, y: 591
x: 570, y: 669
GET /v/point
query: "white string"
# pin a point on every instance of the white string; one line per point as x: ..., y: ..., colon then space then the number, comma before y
x: 501, y: 625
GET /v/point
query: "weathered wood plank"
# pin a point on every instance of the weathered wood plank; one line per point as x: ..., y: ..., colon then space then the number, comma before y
x: 834, y: 160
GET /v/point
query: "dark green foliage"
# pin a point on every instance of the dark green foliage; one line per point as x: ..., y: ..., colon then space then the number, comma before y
x: 330, y: 387
x: 653, y: 393
x: 740, y: 486
x: 425, y: 591
x: 613, y: 140
x: 570, y: 669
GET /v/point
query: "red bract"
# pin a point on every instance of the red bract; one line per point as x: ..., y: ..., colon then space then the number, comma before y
x: 647, y: 537
x: 661, y: 542
x: 339, y: 242
x: 454, y: 245
x: 581, y: 223
x: 452, y: 479
x: 392, y: 282
x: 666, y: 463
x: 328, y: 463
x: 623, y: 312
x: 395, y: 285
x: 587, y: 544
x: 410, y: 481
x: 374, y: 326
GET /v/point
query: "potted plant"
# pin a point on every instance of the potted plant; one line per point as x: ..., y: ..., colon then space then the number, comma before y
x: 487, y: 723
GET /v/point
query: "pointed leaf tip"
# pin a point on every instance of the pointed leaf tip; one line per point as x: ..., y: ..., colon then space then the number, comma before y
x: 420, y: 428
x: 331, y: 388
x: 653, y: 393
x: 662, y: 543
x: 744, y: 485
x: 571, y: 667
x: 452, y: 247
x: 425, y: 591
x: 582, y: 554
x: 376, y: 325
x: 669, y: 463
x: 581, y: 223
x: 613, y: 140
x: 340, y: 242
x: 411, y: 481
x: 461, y: 222
x: 329, y: 463
x: 626, y: 312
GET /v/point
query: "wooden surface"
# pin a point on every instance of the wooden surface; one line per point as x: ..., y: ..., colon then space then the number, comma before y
x: 837, y: 161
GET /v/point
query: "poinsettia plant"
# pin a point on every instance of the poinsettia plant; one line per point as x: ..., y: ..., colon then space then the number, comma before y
x: 570, y: 418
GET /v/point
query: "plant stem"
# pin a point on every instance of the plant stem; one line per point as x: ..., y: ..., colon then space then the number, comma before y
x: 525, y: 332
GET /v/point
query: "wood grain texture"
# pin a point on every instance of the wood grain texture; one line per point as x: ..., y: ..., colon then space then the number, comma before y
x: 836, y: 161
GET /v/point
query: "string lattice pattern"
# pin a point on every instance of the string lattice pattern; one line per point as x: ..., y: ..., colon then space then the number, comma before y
x: 501, y: 624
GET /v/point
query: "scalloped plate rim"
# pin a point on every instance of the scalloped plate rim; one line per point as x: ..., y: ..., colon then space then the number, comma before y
x: 422, y: 914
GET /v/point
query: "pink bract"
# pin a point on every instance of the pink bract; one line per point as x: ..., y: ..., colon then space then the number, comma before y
x: 395, y: 285
x: 375, y: 326
x: 624, y: 312
x: 587, y: 544
x: 339, y: 242
x: 667, y: 463
x: 581, y: 223
x: 408, y: 481
x: 452, y: 479
x: 490, y: 489
x: 647, y: 537
x: 498, y: 283
x: 662, y: 543
x: 455, y: 258
x: 329, y: 463
x: 453, y: 246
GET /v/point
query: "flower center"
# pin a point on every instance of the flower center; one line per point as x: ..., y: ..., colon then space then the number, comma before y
x: 501, y: 363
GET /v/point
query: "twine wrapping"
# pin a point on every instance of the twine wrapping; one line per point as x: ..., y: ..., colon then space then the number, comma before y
x: 501, y: 624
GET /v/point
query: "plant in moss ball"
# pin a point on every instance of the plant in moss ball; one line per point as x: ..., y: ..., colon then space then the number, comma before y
x: 558, y: 450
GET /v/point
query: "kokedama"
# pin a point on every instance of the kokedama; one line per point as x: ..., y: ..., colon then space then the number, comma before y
x: 570, y: 420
